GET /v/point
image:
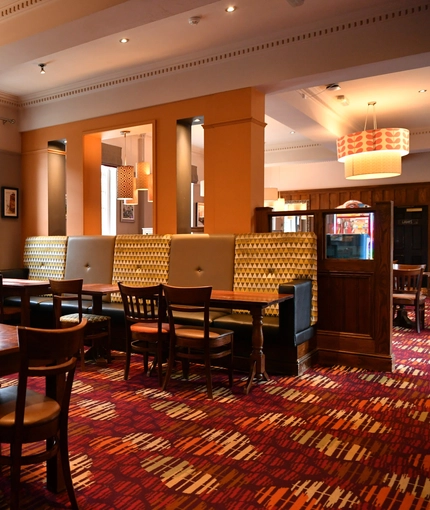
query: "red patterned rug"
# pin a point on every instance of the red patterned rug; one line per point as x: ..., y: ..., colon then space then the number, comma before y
x: 335, y: 438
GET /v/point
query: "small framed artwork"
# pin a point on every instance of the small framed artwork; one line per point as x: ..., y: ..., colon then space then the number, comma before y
x: 9, y: 204
x: 200, y: 214
x: 127, y: 212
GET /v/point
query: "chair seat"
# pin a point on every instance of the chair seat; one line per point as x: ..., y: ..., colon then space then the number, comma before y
x: 407, y: 299
x: 11, y: 310
x: 148, y: 327
x: 198, y: 333
x: 73, y: 318
x: 39, y: 409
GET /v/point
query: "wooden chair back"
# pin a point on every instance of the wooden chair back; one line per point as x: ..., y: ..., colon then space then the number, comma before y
x: 407, y: 281
x: 409, y: 266
x: 66, y: 290
x: 142, y: 304
x: 190, y: 300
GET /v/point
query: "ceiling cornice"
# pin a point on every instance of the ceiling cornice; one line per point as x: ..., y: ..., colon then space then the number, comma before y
x: 19, y: 7
x: 142, y: 74
x: 9, y: 100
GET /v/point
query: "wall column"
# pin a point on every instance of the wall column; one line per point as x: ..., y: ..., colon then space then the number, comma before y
x: 234, y: 162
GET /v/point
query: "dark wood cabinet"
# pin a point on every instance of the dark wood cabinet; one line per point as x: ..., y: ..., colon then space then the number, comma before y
x: 355, y: 320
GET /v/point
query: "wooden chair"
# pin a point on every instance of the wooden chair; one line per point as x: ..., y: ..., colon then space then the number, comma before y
x: 8, y: 314
x: 27, y: 416
x: 409, y: 266
x: 98, y: 330
x: 146, y: 329
x: 407, y: 293
x: 189, y: 343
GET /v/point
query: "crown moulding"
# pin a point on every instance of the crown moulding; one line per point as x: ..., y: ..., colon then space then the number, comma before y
x: 138, y: 75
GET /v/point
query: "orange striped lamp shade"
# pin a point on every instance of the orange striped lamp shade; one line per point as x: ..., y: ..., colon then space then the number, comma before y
x: 374, y: 153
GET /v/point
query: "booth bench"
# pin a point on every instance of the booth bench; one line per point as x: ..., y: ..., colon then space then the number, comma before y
x: 271, y: 262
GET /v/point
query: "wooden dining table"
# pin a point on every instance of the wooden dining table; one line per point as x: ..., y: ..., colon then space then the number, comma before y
x: 9, y: 364
x: 255, y: 303
x: 27, y: 288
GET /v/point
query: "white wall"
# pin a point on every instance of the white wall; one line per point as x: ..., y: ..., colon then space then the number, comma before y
x: 415, y: 168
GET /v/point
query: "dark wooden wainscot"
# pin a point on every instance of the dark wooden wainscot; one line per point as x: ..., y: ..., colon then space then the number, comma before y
x: 354, y: 296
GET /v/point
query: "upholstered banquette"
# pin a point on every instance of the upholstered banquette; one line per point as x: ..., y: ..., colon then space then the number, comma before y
x: 284, y: 262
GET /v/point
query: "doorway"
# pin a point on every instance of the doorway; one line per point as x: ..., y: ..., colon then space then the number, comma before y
x: 411, y: 235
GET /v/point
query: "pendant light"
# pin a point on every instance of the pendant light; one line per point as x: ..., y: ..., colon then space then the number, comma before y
x: 125, y: 175
x: 373, y: 153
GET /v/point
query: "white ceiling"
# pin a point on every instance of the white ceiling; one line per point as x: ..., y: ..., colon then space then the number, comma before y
x: 78, y: 40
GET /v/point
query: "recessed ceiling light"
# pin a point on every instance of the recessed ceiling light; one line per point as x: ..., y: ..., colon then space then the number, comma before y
x: 124, y: 40
x: 231, y: 8
x: 292, y: 132
x: 421, y: 91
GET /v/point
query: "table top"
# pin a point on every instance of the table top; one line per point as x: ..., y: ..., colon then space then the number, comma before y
x: 245, y: 298
x: 8, y: 340
x: 21, y: 282
x: 99, y: 288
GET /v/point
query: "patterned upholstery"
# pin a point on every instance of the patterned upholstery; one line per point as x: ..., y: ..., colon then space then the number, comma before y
x: 140, y: 260
x: 45, y: 257
x: 73, y: 318
x: 263, y: 261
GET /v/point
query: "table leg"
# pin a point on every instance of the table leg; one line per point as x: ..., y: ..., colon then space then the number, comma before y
x: 25, y: 309
x: 402, y: 320
x: 97, y: 307
x: 257, y: 359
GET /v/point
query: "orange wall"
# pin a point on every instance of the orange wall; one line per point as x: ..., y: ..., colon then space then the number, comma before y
x: 234, y: 164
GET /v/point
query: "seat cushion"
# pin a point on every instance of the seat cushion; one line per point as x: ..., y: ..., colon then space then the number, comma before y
x: 148, y: 328
x: 73, y: 318
x: 39, y: 409
x: 407, y: 299
x: 196, y: 333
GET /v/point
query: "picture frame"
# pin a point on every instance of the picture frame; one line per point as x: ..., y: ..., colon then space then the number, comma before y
x: 200, y: 214
x: 127, y: 213
x: 9, y: 202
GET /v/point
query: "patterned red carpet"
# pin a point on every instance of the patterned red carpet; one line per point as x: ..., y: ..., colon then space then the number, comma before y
x: 335, y: 438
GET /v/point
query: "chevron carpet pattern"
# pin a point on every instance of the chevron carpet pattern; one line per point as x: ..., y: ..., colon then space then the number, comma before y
x: 335, y: 438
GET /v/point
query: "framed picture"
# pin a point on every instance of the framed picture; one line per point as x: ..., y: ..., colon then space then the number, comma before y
x: 127, y: 212
x: 200, y: 214
x: 9, y: 207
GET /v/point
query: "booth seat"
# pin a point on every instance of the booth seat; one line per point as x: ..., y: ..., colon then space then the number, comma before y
x: 280, y: 262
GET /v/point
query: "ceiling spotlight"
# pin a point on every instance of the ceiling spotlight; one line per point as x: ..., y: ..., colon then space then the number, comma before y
x: 296, y: 3
x: 42, y: 68
x: 194, y: 20
x: 421, y: 91
x: 231, y: 8
x: 333, y: 86
x: 124, y: 40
